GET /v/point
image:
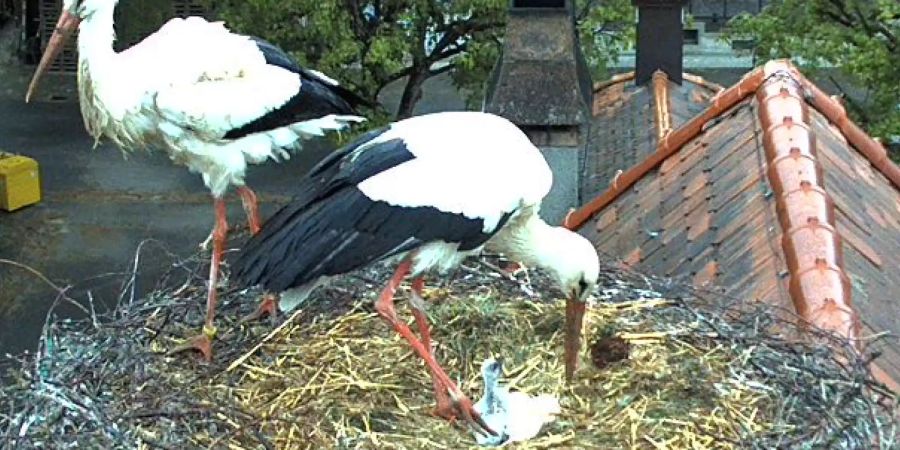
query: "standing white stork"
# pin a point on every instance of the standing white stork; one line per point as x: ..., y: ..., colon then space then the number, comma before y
x: 429, y: 191
x: 214, y: 100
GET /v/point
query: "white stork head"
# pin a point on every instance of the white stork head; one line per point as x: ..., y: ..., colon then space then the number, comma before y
x: 573, y: 262
x: 576, y: 270
x: 73, y: 12
x: 491, y: 369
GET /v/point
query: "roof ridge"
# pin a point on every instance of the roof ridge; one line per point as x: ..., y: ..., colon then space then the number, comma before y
x: 812, y: 246
x: 661, y: 104
x: 628, y: 76
x: 874, y: 152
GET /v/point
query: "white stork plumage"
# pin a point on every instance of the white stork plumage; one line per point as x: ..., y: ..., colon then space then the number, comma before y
x: 216, y: 101
x: 428, y: 191
x: 514, y: 415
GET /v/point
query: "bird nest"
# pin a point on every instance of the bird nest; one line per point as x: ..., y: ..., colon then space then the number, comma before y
x: 664, y: 366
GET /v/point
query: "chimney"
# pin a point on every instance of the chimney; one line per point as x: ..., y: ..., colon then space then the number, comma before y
x: 659, y: 39
x: 542, y: 84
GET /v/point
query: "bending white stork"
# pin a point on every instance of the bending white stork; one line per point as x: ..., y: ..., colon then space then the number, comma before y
x: 214, y: 100
x: 428, y: 191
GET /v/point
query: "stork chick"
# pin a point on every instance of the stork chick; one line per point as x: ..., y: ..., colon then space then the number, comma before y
x: 515, y: 416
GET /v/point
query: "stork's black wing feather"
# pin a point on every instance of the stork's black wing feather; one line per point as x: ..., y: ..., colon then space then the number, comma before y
x: 274, y: 55
x: 331, y: 227
x: 316, y: 98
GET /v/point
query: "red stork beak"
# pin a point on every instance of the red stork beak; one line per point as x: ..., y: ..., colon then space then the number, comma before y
x: 66, y: 25
x: 574, y: 319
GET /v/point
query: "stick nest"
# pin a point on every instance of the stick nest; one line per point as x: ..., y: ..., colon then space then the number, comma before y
x: 663, y: 366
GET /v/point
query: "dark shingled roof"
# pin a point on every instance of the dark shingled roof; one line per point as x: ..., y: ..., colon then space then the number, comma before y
x: 697, y: 183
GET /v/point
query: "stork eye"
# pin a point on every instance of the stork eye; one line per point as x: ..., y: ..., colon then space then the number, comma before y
x: 582, y: 285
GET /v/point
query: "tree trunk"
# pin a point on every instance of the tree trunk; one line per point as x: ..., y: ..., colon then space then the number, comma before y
x: 412, y: 92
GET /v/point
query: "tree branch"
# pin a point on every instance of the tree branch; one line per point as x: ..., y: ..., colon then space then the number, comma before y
x: 458, y: 29
x: 842, y: 9
x: 891, y: 37
x: 582, y: 14
x: 856, y: 107
x: 858, y: 19
x: 356, y: 19
x: 446, y: 39
x: 441, y: 70
x: 461, y: 48
x: 409, y: 70
x: 863, y: 20
x: 388, y: 13
x: 397, y: 75
x: 838, y: 18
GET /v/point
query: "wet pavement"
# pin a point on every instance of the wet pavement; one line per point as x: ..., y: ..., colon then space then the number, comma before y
x: 97, y: 208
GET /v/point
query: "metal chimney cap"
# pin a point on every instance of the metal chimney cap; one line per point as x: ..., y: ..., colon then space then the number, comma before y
x: 538, y: 5
x: 658, y: 3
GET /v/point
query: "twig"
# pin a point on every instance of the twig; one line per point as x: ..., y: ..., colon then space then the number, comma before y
x: 259, y: 345
x: 42, y: 277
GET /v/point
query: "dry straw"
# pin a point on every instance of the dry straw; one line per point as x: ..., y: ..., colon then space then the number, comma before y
x: 701, y: 371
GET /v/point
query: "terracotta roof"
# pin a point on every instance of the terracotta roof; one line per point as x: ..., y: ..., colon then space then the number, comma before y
x: 625, y: 128
x: 757, y: 194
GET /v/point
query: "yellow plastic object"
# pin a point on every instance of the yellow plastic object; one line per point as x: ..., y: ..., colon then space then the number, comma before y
x: 20, y: 183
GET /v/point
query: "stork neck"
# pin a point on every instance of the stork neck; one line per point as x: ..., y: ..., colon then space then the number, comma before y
x: 533, y: 242
x: 491, y: 386
x: 97, y: 65
x: 96, y: 35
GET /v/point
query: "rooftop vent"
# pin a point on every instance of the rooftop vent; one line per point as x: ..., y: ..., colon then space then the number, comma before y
x: 541, y: 78
x: 659, y: 39
x: 542, y: 84
x: 560, y: 4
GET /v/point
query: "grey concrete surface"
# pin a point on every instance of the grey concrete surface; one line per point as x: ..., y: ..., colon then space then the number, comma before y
x: 564, y: 193
x: 97, y: 208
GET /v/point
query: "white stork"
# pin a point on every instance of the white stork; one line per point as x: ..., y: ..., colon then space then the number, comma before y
x: 428, y: 191
x: 214, y: 100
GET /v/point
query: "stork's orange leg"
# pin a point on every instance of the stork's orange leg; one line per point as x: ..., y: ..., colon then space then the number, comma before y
x: 203, y: 342
x: 269, y: 303
x: 268, y: 306
x: 251, y: 207
x: 512, y: 267
x: 385, y: 307
x: 444, y: 407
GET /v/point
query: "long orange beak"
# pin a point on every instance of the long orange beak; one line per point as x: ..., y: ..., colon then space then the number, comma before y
x: 66, y: 25
x: 574, y: 320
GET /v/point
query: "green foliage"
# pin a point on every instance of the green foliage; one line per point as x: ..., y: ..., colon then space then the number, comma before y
x: 606, y: 28
x: 370, y: 44
x: 858, y: 36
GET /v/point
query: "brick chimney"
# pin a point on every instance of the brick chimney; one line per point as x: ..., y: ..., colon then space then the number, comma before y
x: 542, y: 84
x: 659, y: 39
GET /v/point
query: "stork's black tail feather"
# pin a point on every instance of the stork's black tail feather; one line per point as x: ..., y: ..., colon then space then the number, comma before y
x: 352, y: 98
x: 319, y: 96
x: 263, y: 259
x: 267, y: 258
